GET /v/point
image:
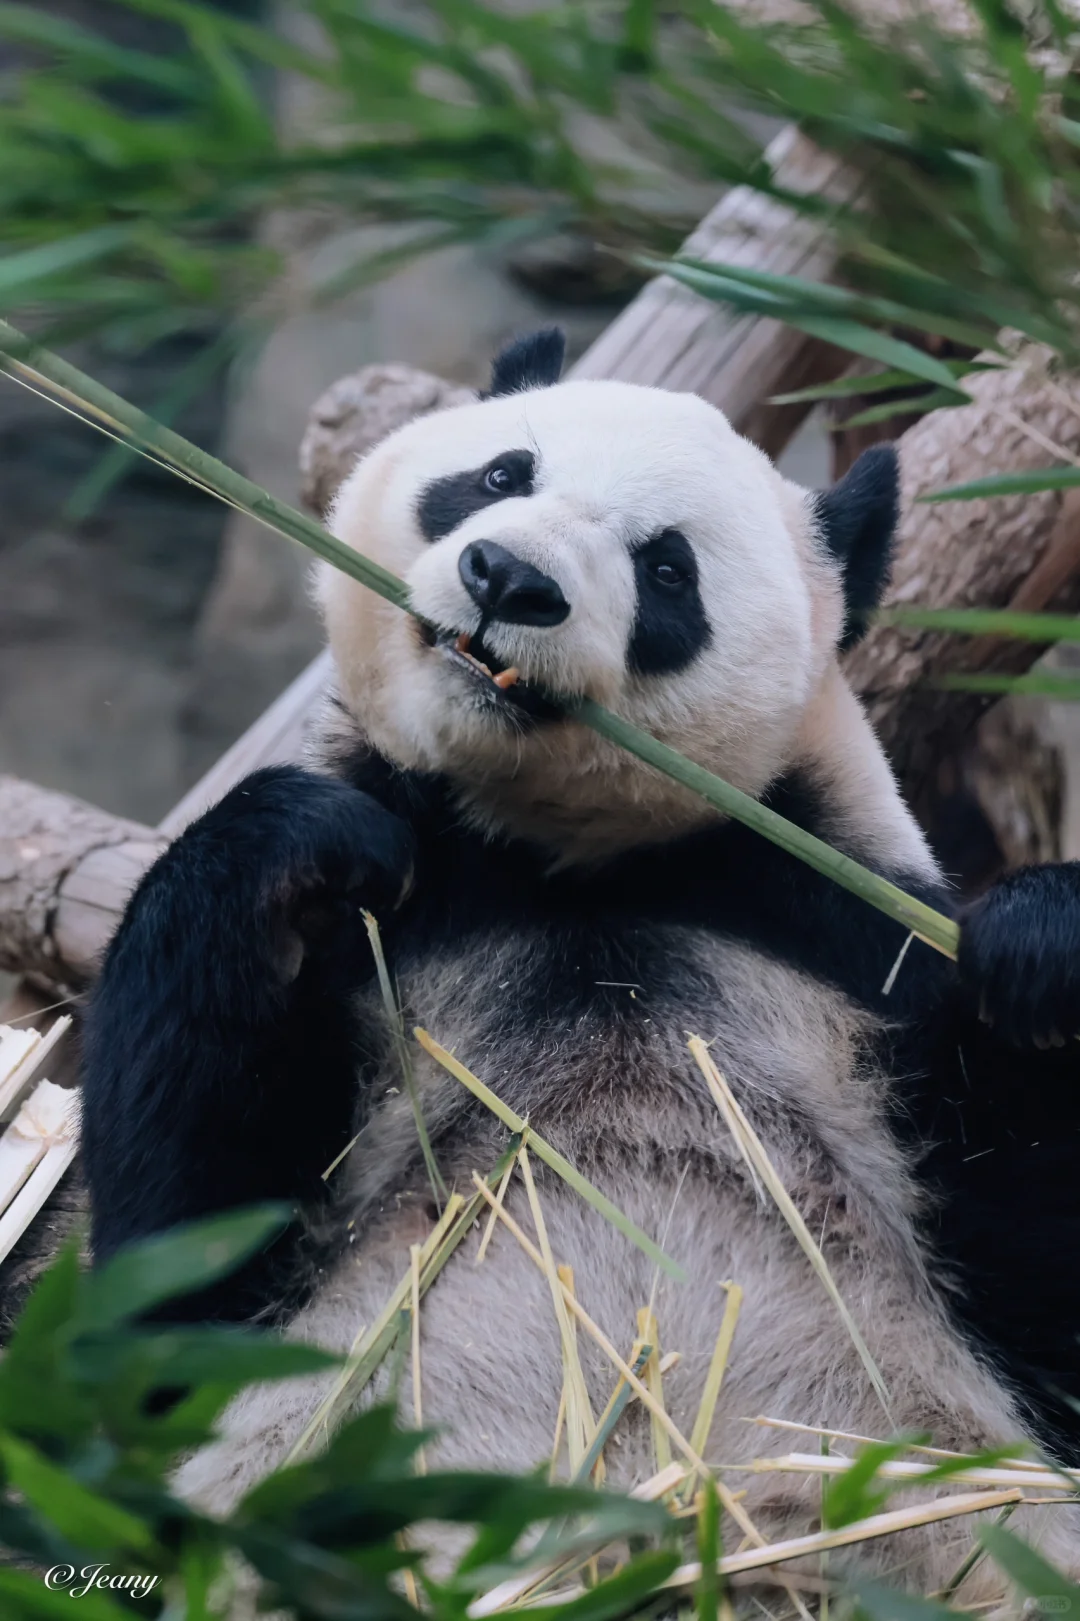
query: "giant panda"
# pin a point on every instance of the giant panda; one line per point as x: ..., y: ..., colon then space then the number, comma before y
x: 563, y: 917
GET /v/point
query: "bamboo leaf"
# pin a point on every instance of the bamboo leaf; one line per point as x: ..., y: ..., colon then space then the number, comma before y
x: 813, y: 298
x: 621, y: 1594
x: 21, y: 274
x: 880, y: 382
x: 838, y: 330
x: 1029, y: 627
x: 708, y: 1552
x: 174, y: 1263
x: 1030, y: 482
x: 1035, y: 1576
x: 879, y: 1603
x: 863, y: 340
x: 938, y: 399
x: 1036, y: 683
x: 25, y: 1597
x: 85, y: 1518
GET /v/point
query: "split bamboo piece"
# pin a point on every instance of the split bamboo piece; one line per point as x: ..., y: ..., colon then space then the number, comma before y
x: 763, y: 1172
x: 1067, y: 1482
x: 22, y: 1053
x: 35, y: 1151
x: 877, y: 1525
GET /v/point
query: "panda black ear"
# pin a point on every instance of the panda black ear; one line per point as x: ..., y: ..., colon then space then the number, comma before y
x: 532, y: 362
x: 858, y: 520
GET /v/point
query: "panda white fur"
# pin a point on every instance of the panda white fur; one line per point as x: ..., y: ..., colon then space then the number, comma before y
x: 564, y: 918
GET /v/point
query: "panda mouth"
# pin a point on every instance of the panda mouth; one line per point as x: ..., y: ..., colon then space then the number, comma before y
x: 501, y: 685
x: 480, y: 658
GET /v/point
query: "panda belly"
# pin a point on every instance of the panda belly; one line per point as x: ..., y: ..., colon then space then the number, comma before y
x: 615, y: 1089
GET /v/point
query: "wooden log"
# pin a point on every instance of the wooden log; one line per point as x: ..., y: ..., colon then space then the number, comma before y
x: 1013, y: 551
x: 669, y: 337
x: 65, y: 870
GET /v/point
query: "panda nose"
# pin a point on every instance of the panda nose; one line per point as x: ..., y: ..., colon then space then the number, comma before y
x: 506, y: 588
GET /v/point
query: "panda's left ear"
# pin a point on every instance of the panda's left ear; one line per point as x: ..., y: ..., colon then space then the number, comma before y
x: 857, y: 521
x: 532, y: 362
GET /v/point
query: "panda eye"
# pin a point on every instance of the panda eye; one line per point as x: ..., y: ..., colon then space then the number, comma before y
x: 499, y: 480
x: 668, y: 574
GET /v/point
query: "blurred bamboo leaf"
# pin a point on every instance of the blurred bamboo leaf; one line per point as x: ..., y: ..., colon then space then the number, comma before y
x: 1030, y: 482
x: 1031, y: 627
x: 938, y: 399
x: 880, y: 382
x: 1035, y: 1576
x: 1035, y: 684
x: 713, y: 282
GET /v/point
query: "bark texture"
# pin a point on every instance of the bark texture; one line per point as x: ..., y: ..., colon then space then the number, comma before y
x: 65, y: 871
x: 1018, y: 551
x: 357, y: 412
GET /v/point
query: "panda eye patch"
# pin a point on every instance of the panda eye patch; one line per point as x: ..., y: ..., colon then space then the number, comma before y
x: 670, y: 626
x: 447, y: 502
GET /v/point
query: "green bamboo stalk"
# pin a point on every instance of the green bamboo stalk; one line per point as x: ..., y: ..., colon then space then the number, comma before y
x: 43, y: 372
x: 922, y: 920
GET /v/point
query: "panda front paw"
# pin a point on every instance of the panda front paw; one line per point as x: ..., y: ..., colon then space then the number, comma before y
x: 300, y: 856
x: 1020, y: 955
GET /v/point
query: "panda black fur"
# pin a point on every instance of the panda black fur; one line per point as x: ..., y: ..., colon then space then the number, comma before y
x: 563, y: 918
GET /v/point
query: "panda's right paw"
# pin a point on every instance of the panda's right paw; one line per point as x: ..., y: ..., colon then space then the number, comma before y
x: 303, y: 856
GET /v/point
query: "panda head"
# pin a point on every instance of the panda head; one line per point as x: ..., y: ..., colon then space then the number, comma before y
x: 597, y: 539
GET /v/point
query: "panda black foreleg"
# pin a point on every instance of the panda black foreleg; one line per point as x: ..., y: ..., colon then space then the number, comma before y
x: 1020, y: 955
x: 221, y: 1048
x: 999, y: 1117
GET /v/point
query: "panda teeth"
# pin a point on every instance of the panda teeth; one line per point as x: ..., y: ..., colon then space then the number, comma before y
x: 504, y: 680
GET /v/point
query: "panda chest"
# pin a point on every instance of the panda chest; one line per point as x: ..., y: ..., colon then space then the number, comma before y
x: 586, y: 1032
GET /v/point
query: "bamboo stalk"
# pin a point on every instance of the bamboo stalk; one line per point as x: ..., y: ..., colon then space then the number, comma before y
x: 815, y: 1463
x: 617, y: 1404
x: 580, y: 1424
x: 762, y: 1169
x: 699, y: 1435
x: 877, y: 1525
x: 371, y: 1345
x: 439, y: 1190
x: 42, y: 371
x: 416, y: 1255
x: 649, y: 1330
x: 46, y: 373
x: 644, y: 1395
x: 764, y: 1422
x: 930, y: 926
x: 550, y: 1156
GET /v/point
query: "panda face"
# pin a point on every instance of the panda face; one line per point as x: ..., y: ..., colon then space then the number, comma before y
x: 593, y: 539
